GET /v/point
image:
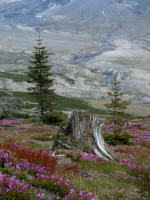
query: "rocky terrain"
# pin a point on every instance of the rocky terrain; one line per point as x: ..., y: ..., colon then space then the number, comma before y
x: 88, y: 41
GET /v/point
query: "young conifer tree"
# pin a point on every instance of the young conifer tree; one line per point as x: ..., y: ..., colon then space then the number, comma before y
x: 41, y: 79
x: 117, y: 106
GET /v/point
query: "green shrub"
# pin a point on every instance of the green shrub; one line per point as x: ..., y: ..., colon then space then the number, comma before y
x: 22, y: 176
x: 118, y: 139
x: 56, y: 118
x: 32, y: 172
x: 16, y: 115
x: 6, y: 171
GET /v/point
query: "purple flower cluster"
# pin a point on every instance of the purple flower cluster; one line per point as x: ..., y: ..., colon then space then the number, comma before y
x: 140, y: 136
x: 12, y: 184
x: 84, y: 156
x: 43, y: 173
x: 89, y: 156
x: 141, y: 170
x: 129, y: 156
x: 28, y: 127
x: 11, y: 122
x: 31, y: 127
x: 81, y: 195
x: 73, y: 191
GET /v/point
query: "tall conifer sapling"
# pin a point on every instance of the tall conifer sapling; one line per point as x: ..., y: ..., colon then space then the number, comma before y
x: 41, y: 79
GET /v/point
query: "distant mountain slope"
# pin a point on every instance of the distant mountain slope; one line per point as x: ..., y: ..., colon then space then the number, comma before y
x: 109, y: 15
x: 110, y: 18
x: 25, y: 11
x: 88, y: 40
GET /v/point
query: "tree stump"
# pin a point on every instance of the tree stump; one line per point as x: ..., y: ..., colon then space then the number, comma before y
x: 84, y: 131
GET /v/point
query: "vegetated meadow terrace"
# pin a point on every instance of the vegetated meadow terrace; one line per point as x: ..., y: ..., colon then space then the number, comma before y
x: 62, y: 103
x: 28, y: 171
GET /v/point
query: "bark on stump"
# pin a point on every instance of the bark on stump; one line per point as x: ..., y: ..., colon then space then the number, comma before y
x: 79, y: 129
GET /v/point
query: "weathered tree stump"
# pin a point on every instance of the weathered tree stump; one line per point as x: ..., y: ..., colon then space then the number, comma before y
x: 84, y: 131
x: 79, y: 127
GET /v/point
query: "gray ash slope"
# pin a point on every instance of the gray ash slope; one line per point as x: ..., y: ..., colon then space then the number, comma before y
x: 89, y: 41
x: 25, y: 11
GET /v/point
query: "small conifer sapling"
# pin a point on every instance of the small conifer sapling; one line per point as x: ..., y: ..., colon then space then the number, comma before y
x: 117, y: 105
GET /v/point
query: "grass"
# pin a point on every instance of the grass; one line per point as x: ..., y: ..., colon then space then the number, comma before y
x: 25, y: 96
x: 108, y: 180
x: 62, y: 103
x: 14, y: 77
x: 104, y: 186
x: 41, y: 138
x: 106, y: 167
x: 134, y: 109
x: 29, y: 134
x: 33, y: 145
x: 68, y: 103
